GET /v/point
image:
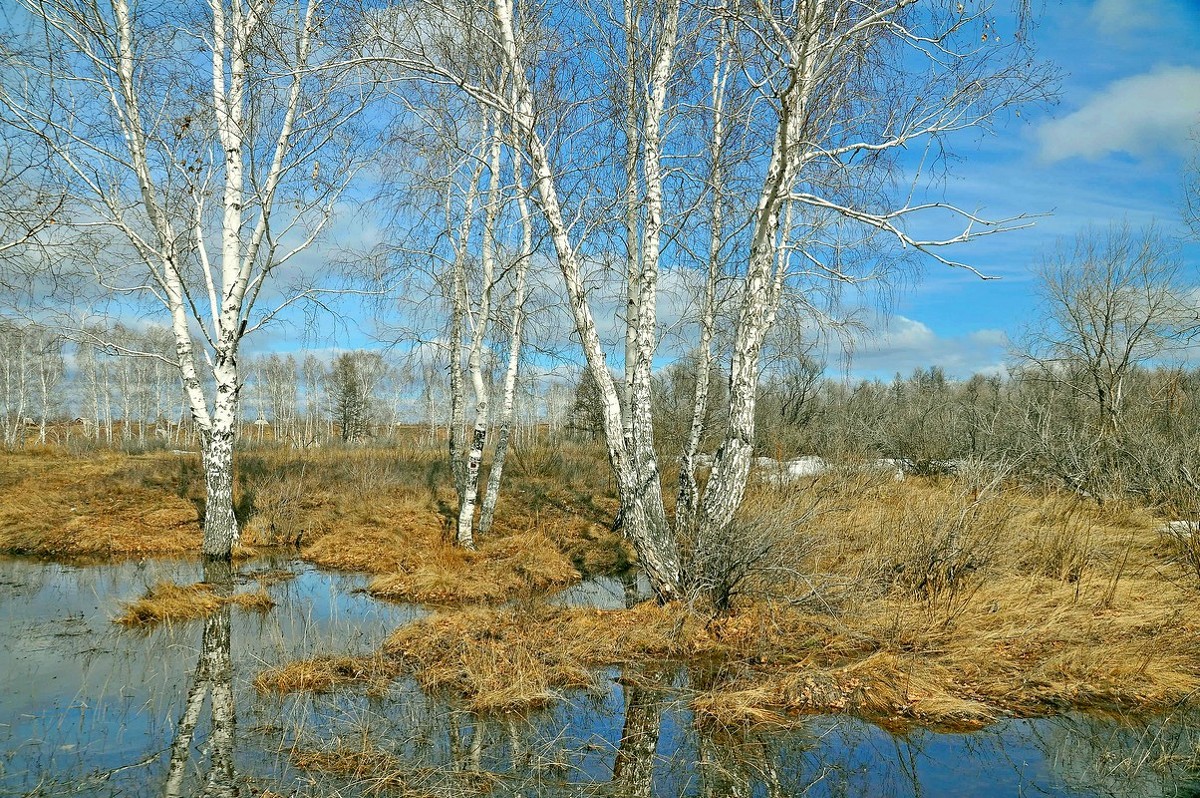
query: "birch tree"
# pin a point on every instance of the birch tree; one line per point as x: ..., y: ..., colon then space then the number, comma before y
x: 16, y: 381
x: 840, y: 111
x: 279, y: 372
x: 452, y: 196
x: 207, y: 144
x: 516, y: 333
x: 51, y: 373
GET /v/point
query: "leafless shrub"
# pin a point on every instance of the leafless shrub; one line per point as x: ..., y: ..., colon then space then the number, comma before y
x: 939, y: 549
x: 761, y: 551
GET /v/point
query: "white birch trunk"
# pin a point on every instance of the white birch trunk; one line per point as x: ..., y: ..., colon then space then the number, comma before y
x: 515, y: 330
x: 647, y: 496
x: 686, y: 502
x: 650, y: 536
x: 458, y: 316
x: 220, y: 523
x: 759, y: 301
x: 470, y: 492
x: 18, y: 430
x: 633, y: 258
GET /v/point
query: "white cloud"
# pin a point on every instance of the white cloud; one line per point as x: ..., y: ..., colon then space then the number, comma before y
x: 900, y: 344
x: 1117, y: 17
x: 1138, y: 115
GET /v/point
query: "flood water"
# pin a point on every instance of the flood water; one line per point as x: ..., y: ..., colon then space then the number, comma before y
x: 90, y: 708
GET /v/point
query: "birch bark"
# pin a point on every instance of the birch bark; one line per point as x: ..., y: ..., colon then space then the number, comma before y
x: 458, y: 319
x: 686, y: 501
x: 515, y: 333
x: 648, y: 532
x: 482, y: 319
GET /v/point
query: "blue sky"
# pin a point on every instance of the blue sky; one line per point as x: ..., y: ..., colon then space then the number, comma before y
x: 1114, y: 148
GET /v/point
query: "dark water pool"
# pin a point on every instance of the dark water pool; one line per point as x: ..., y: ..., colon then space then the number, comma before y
x: 89, y: 708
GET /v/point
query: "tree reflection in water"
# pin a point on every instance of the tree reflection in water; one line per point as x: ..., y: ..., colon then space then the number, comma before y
x: 213, y: 680
x: 633, y: 769
x: 91, y: 710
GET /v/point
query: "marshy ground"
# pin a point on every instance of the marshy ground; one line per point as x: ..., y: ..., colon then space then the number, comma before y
x: 939, y: 604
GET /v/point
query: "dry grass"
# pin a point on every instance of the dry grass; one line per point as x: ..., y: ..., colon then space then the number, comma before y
x: 503, y: 568
x: 518, y: 658
x: 167, y: 602
x: 1040, y: 601
x: 323, y: 674
x: 932, y: 601
x: 400, y: 531
x: 935, y: 600
x: 101, y: 506
x: 377, y: 511
x: 257, y: 601
x: 375, y: 771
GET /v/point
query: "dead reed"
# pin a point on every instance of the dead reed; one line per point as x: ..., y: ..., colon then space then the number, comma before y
x: 100, y: 506
x: 939, y: 600
x: 933, y: 601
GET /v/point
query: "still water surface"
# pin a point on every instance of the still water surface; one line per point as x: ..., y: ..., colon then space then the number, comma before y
x: 90, y: 708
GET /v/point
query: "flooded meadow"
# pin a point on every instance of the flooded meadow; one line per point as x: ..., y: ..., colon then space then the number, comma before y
x: 91, y: 707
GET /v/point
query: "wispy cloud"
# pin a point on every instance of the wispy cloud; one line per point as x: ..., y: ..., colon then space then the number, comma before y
x: 899, y: 344
x: 1119, y: 17
x: 1138, y: 115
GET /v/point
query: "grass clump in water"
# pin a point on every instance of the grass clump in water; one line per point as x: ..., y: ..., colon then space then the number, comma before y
x: 502, y: 569
x: 323, y: 674
x: 167, y: 602
x: 519, y: 658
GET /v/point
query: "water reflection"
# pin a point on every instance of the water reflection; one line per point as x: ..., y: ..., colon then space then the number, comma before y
x: 633, y: 771
x: 212, y: 679
x: 87, y: 709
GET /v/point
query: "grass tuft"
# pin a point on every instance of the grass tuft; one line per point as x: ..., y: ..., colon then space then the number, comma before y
x: 167, y: 602
x: 323, y: 674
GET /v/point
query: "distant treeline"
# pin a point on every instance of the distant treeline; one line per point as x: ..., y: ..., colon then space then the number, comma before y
x: 129, y: 391
x: 1043, y: 421
x: 1053, y: 422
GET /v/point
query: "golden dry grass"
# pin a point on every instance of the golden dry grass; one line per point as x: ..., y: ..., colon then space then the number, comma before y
x: 1042, y: 601
x: 518, y: 658
x: 375, y: 771
x: 369, y: 767
x: 929, y: 601
x: 167, y: 602
x: 256, y: 601
x: 100, y: 506
x: 501, y: 569
x: 388, y: 514
x: 323, y: 674
x: 934, y: 600
x: 377, y: 511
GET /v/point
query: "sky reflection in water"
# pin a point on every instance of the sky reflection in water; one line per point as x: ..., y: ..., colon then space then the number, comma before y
x: 89, y: 708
